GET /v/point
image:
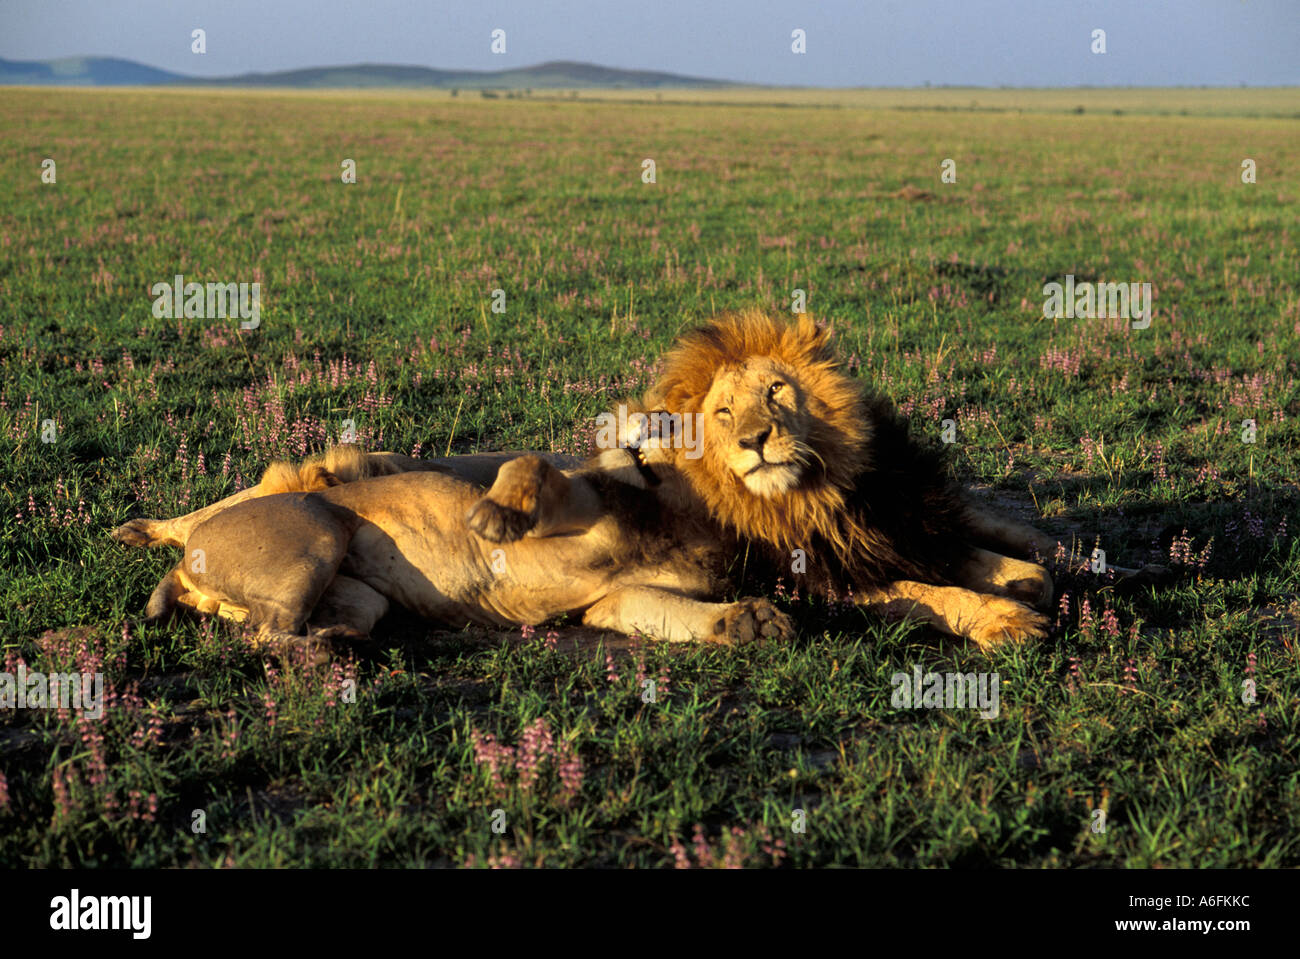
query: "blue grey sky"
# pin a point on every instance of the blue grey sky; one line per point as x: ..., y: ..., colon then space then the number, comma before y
x: 849, y: 42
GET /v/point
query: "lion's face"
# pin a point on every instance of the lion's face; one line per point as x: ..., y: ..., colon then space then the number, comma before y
x: 780, y: 433
x: 756, y: 425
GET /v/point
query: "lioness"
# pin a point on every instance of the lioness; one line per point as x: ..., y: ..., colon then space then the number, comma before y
x: 307, y: 549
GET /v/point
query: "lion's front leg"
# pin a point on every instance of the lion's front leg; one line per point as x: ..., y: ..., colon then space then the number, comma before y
x: 987, y: 572
x: 1023, y: 540
x: 1010, y: 535
x: 671, y: 617
x: 988, y: 621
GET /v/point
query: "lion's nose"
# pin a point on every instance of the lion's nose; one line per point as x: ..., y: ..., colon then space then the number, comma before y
x: 755, y: 441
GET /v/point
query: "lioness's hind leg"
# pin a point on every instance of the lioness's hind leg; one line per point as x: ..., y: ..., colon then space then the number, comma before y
x: 346, y: 613
x: 1023, y: 540
x: 174, y: 532
x: 291, y: 647
x: 988, y: 572
x: 532, y: 497
x: 275, y: 556
x: 144, y: 532
x: 348, y: 609
x: 175, y: 592
x: 337, y: 465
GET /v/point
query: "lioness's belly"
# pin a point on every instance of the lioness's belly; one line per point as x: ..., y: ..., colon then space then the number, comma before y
x: 415, y: 548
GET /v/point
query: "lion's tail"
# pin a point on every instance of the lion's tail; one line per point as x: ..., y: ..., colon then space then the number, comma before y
x: 336, y: 466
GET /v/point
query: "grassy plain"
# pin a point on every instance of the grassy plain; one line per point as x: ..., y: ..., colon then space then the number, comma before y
x: 376, y: 308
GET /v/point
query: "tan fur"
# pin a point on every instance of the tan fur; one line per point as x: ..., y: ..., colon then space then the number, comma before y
x: 987, y: 620
x: 989, y: 572
x: 311, y: 553
x: 344, y: 464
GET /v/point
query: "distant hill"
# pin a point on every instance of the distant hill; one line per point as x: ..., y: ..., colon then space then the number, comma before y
x: 83, y: 71
x: 558, y: 74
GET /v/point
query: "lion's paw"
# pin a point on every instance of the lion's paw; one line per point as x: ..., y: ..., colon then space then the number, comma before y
x: 748, y: 619
x: 497, y: 523
x: 136, y: 532
x: 1003, y: 621
x: 1036, y: 591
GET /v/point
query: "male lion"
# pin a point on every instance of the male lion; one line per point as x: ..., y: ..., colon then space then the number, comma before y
x: 326, y: 546
x: 799, y: 456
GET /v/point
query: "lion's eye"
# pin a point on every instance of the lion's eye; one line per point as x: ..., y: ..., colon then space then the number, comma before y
x: 774, y: 389
x: 724, y: 411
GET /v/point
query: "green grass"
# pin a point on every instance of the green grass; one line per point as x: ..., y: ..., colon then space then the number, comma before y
x: 376, y: 307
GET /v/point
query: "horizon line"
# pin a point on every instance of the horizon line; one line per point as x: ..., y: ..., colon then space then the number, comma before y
x: 587, y: 63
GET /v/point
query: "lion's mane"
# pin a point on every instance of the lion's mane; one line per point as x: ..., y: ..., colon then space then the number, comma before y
x: 873, y: 506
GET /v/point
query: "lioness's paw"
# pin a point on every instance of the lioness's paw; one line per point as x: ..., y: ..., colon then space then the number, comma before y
x: 321, y: 645
x: 136, y: 532
x: 339, y: 634
x: 497, y: 523
x: 748, y: 619
x: 1006, y: 621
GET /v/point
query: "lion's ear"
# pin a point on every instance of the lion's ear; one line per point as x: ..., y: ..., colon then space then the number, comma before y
x: 812, y: 340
